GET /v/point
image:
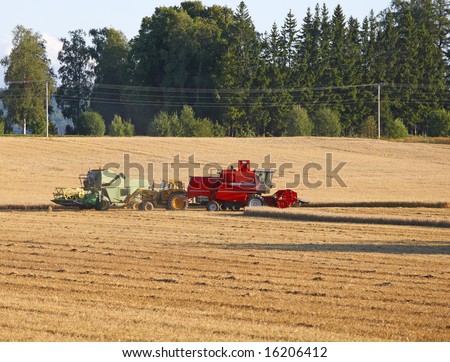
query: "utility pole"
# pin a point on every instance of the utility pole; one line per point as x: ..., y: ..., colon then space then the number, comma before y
x: 46, y: 104
x: 379, y: 110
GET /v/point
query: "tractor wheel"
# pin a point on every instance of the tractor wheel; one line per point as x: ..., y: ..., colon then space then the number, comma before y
x: 213, y: 206
x: 177, y: 202
x: 103, y: 205
x: 146, y: 206
x: 235, y: 207
x: 135, y: 205
x: 255, y: 201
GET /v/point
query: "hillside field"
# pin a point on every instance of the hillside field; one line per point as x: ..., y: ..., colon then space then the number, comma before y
x: 120, y: 275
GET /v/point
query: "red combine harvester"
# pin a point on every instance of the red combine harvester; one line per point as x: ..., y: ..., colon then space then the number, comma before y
x: 234, y: 188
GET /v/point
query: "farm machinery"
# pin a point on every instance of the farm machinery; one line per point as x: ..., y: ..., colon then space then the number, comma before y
x: 101, y: 189
x: 234, y: 188
x: 231, y: 189
x: 171, y: 194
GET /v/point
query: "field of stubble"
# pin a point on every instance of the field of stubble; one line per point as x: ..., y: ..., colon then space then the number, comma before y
x: 120, y: 275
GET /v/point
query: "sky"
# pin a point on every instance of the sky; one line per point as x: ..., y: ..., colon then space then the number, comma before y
x: 54, y: 19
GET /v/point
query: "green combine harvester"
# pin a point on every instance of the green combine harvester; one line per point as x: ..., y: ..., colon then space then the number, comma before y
x: 100, y: 189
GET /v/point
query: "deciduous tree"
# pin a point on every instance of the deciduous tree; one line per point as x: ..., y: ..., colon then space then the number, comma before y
x: 76, y: 75
x: 27, y: 71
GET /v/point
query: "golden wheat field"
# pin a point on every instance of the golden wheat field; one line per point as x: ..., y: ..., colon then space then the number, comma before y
x: 120, y: 275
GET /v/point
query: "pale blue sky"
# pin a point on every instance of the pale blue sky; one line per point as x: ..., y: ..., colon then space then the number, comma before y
x: 54, y: 19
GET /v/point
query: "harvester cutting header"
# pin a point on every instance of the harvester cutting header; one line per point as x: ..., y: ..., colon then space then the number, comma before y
x: 231, y: 189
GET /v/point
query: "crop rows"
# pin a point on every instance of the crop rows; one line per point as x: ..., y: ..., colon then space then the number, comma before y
x: 73, y: 276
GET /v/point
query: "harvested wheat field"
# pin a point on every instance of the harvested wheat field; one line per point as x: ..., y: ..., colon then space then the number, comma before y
x: 69, y: 275
x: 374, y: 171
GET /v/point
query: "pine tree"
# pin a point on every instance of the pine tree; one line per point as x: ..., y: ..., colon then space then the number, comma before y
x: 407, y: 48
x: 272, y: 54
x: 369, y: 67
x: 277, y: 99
x: 307, y: 55
x: 239, y: 66
x: 430, y: 61
x: 337, y: 49
x: 325, y: 76
x: 305, y: 51
x: 387, y: 49
x: 353, y: 104
x: 386, y: 62
x: 369, y: 49
x: 337, y: 60
x: 407, y: 65
x: 289, y: 44
x: 442, y: 10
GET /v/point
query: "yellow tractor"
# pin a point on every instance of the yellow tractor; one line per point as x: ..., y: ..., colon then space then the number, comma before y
x: 171, y: 194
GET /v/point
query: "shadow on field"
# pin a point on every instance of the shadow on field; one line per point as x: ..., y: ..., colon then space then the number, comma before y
x: 348, y: 219
x: 442, y: 249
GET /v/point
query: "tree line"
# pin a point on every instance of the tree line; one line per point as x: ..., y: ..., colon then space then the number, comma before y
x: 195, y: 70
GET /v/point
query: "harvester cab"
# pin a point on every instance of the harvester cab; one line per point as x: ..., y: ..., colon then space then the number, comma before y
x: 264, y: 180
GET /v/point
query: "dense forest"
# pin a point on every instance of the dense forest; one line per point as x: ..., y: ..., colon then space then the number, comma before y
x: 195, y: 70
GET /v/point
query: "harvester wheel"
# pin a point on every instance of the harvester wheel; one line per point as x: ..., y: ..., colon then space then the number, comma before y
x: 177, y: 202
x: 235, y: 207
x: 103, y: 205
x: 146, y: 206
x: 213, y: 206
x: 255, y: 201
